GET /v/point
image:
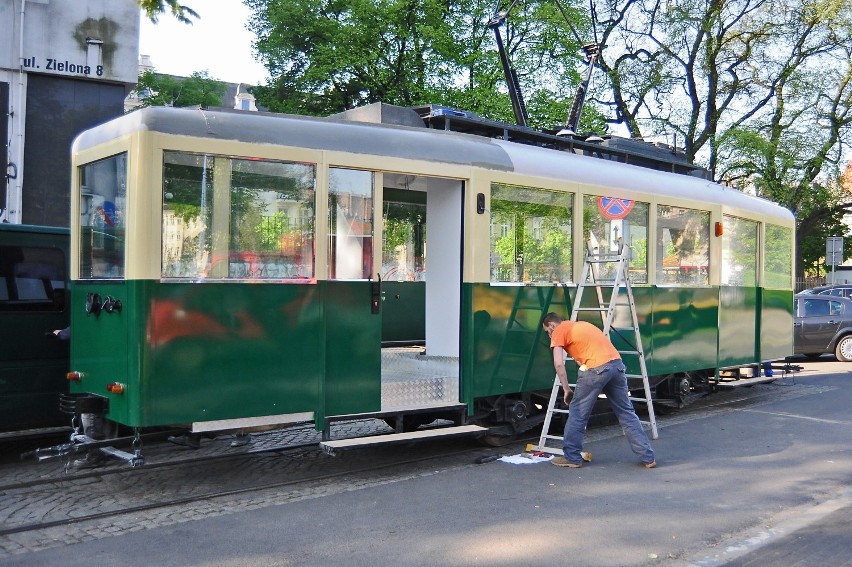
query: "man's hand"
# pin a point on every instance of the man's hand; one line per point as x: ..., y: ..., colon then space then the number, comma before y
x: 567, y: 395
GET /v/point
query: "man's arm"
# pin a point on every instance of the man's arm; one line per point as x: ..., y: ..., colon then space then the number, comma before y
x: 561, y: 373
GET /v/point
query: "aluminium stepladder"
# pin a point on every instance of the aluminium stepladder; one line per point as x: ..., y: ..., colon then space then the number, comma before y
x: 620, y: 280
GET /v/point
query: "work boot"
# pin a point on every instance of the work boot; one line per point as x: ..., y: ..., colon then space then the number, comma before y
x: 563, y: 462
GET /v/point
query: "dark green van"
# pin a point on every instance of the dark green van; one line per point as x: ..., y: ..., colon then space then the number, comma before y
x: 33, y: 304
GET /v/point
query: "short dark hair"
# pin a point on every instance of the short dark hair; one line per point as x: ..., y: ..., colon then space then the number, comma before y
x: 552, y: 318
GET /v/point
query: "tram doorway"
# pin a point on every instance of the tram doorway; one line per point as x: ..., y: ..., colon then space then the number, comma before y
x: 421, y: 291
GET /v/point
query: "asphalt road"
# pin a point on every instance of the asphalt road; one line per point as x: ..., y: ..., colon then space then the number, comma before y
x: 755, y: 476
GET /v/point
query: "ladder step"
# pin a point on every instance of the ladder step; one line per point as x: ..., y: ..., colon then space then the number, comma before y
x: 592, y: 308
x: 557, y: 410
x: 633, y: 352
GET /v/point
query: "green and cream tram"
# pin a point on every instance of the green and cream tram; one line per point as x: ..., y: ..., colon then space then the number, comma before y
x: 235, y: 269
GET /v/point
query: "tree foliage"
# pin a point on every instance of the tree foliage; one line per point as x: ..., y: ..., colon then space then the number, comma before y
x: 199, y: 89
x: 326, y: 56
x: 155, y: 8
x: 757, y: 89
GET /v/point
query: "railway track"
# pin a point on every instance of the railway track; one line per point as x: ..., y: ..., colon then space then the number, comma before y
x: 103, y: 494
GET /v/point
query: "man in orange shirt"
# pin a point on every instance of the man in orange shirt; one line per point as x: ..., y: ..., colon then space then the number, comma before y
x: 601, y: 370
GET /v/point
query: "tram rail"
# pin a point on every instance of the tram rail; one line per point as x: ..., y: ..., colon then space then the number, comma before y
x: 224, y: 484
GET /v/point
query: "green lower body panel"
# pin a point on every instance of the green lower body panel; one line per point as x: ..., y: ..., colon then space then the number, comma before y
x: 217, y: 351
x: 776, y: 324
x: 682, y: 330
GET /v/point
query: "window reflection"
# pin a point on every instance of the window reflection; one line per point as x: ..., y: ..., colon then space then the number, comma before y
x: 605, y: 220
x: 350, y: 224
x: 739, y: 252
x: 227, y: 218
x: 530, y: 234
x: 683, y: 245
x: 404, y: 237
x: 778, y: 258
x: 103, y: 197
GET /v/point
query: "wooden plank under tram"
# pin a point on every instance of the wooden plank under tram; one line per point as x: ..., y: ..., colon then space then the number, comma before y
x: 338, y: 444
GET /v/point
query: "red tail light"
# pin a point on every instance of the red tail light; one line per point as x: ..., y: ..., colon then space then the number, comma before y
x: 115, y: 388
x: 74, y: 376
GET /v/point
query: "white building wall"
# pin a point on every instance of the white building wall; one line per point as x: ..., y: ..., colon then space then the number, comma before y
x: 95, y: 40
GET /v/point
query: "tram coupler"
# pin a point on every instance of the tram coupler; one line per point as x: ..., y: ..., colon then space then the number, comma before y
x: 46, y: 453
x: 80, y: 443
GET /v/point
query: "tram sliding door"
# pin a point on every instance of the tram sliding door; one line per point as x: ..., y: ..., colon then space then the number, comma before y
x: 421, y: 283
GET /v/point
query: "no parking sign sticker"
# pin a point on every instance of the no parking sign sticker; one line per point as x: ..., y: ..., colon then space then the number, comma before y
x: 613, y: 208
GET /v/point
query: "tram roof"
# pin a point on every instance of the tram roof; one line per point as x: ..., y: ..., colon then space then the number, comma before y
x: 418, y: 143
x: 557, y: 164
x: 305, y: 132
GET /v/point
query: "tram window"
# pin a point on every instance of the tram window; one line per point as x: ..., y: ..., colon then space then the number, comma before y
x: 228, y: 218
x: 530, y: 234
x: 605, y: 219
x: 350, y: 224
x: 683, y: 246
x: 32, y: 279
x: 778, y: 258
x: 739, y: 252
x: 404, y: 236
x: 103, y: 194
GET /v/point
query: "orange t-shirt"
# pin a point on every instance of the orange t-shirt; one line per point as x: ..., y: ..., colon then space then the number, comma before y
x: 584, y: 342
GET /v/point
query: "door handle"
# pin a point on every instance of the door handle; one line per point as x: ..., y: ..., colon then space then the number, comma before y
x: 376, y: 295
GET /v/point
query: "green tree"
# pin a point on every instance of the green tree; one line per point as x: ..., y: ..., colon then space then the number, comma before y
x: 154, y: 89
x: 698, y: 70
x: 326, y: 56
x: 154, y: 8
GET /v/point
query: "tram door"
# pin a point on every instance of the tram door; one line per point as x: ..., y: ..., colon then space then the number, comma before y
x: 421, y: 291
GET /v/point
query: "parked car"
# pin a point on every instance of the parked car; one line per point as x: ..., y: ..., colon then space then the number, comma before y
x: 822, y: 324
x: 837, y: 290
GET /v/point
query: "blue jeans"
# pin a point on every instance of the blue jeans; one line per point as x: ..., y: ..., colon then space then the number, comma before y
x: 608, y: 378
